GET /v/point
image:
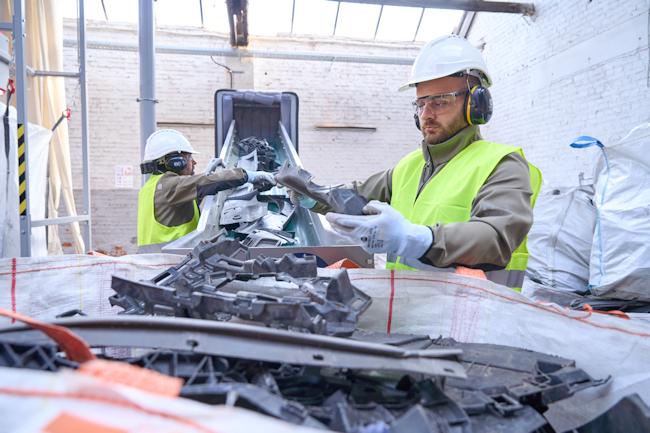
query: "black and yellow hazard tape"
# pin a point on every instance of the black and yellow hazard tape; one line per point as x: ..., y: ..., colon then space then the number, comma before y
x: 22, y: 168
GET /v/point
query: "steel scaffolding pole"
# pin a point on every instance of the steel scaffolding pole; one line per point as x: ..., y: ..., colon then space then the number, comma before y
x: 23, y: 145
x: 147, y: 97
x: 85, y: 157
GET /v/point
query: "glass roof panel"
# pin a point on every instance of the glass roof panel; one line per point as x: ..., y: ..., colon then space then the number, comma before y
x: 273, y: 17
x: 122, y: 11
x: 398, y: 23
x: 314, y: 17
x: 357, y: 20
x: 438, y: 22
x: 215, y: 16
x: 269, y: 18
x: 169, y: 14
x: 93, y: 9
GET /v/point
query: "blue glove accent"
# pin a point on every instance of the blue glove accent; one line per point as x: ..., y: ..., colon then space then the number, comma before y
x: 383, y: 230
x: 307, y: 202
x: 586, y: 141
x: 301, y: 200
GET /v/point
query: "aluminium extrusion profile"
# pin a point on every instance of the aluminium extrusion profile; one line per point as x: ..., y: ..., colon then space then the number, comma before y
x: 341, y: 200
x: 247, y: 342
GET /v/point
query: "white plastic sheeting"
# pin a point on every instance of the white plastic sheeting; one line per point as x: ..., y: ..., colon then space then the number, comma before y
x: 70, y: 401
x: 46, y: 100
x: 38, y: 140
x: 560, y: 240
x: 437, y: 304
x: 620, y: 255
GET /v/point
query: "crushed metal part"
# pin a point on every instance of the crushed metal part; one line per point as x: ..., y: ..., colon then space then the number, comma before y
x: 265, y: 154
x: 604, y: 304
x: 341, y: 200
x: 357, y: 401
x: 253, y: 343
x: 281, y: 293
x: 264, y: 238
x: 242, y: 206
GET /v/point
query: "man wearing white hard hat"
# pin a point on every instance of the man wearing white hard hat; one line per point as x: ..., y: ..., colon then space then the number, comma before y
x: 458, y: 199
x: 167, y: 202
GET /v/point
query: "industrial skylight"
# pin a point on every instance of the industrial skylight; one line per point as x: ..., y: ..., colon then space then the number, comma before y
x: 284, y: 17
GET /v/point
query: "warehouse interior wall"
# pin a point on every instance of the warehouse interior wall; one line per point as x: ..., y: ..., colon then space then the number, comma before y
x: 546, y: 92
x: 576, y: 68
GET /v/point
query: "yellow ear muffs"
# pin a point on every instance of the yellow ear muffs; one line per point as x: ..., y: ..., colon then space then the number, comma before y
x: 478, y: 105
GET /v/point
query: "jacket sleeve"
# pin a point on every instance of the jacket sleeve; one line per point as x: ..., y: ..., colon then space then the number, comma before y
x: 173, y: 189
x: 501, y: 217
x: 376, y: 187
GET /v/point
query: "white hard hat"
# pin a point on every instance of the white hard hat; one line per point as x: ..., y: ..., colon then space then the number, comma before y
x: 445, y: 56
x: 165, y: 141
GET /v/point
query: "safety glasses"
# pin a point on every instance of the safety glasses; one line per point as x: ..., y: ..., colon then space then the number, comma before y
x: 438, y: 104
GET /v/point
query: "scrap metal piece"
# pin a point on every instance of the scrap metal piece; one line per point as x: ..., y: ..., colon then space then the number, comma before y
x: 605, y: 304
x: 264, y: 238
x: 246, y: 342
x: 210, y: 284
x: 341, y: 200
x: 248, y: 162
x: 242, y: 206
x: 265, y: 154
x: 500, y: 378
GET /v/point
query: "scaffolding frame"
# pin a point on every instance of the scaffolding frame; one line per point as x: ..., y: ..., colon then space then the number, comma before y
x: 17, y: 28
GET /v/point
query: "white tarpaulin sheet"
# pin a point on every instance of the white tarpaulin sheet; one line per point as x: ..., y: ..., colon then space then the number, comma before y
x: 38, y: 140
x: 437, y: 304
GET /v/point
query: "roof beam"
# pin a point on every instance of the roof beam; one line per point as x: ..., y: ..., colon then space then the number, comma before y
x: 238, y: 21
x: 463, y: 5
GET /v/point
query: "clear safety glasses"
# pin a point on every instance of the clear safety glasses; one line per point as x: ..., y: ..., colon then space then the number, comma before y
x: 438, y: 104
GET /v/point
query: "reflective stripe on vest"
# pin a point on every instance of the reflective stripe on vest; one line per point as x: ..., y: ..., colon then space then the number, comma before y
x: 448, y: 196
x: 150, y: 231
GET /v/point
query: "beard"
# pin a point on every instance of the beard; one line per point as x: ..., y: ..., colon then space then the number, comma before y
x: 439, y: 132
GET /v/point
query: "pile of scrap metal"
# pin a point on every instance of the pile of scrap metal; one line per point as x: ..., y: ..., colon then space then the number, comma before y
x: 258, y: 216
x: 363, y: 384
x: 261, y: 217
x: 214, y: 282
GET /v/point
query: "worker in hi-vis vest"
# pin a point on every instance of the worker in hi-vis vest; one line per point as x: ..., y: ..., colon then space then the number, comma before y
x: 458, y: 199
x: 167, y: 202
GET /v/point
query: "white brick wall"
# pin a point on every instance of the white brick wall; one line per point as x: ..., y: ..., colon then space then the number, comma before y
x: 576, y: 68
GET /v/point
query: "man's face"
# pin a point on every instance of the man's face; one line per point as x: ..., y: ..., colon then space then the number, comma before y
x: 440, y: 119
x: 189, y: 168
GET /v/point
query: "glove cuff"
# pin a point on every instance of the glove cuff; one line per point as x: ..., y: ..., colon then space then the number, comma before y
x: 250, y: 176
x: 416, y: 243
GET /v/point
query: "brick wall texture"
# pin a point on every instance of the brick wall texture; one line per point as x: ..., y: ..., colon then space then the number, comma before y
x: 577, y: 67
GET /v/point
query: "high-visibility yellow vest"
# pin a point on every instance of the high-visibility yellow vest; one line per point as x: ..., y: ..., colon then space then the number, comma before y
x: 447, y: 197
x: 150, y: 231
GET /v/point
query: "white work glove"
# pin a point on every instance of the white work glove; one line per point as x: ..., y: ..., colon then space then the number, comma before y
x: 213, y: 165
x: 300, y: 200
x: 383, y: 230
x: 258, y: 178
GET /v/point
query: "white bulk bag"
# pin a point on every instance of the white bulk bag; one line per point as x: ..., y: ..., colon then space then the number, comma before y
x: 620, y: 254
